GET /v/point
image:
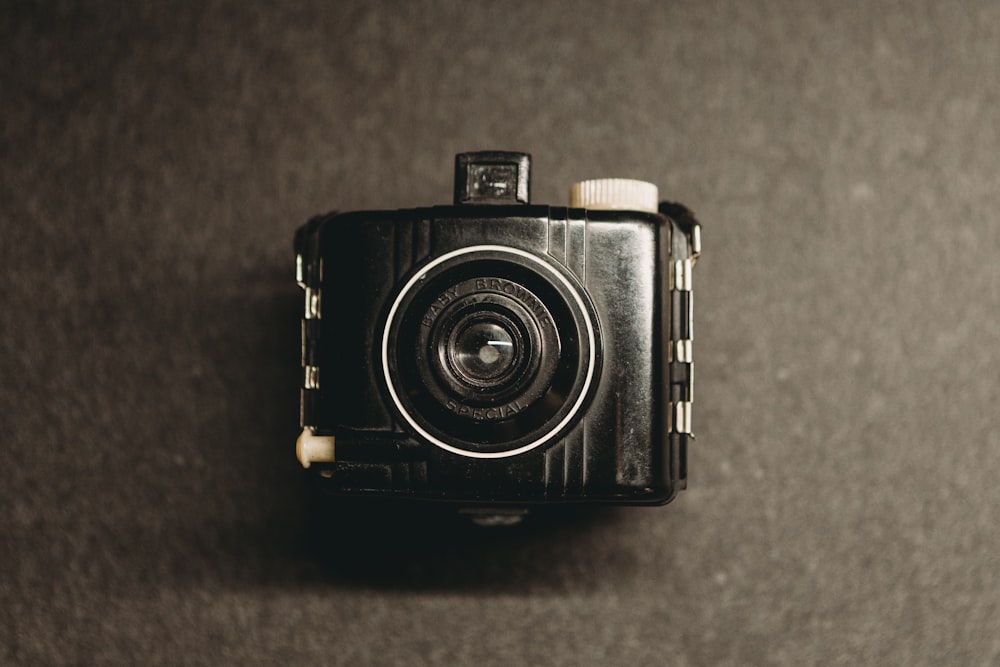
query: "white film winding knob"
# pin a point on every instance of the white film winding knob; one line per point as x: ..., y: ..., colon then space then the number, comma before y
x: 614, y: 194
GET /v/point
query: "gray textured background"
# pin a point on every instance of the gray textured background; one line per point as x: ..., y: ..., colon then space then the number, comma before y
x: 843, y: 157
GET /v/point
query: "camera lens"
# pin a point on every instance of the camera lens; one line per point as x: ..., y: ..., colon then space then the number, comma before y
x: 483, y: 352
x: 490, y: 351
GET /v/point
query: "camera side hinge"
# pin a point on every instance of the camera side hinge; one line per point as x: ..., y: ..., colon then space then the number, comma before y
x: 689, y: 225
x: 680, y: 350
x: 309, y: 276
x: 682, y: 275
x: 310, y: 378
x: 680, y: 347
x: 680, y: 418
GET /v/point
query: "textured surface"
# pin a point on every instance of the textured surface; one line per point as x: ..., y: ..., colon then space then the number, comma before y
x: 844, y: 159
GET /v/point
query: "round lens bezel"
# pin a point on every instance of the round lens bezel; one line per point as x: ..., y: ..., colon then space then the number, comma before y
x: 478, y: 434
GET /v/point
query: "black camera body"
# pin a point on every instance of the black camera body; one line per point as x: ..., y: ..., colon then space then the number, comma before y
x: 495, y: 353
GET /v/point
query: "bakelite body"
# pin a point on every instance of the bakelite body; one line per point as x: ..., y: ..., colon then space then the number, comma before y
x: 621, y: 446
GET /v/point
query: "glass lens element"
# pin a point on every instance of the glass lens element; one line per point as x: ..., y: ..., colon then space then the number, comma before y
x: 484, y: 352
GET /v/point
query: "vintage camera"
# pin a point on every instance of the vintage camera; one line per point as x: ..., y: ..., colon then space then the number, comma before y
x: 496, y: 353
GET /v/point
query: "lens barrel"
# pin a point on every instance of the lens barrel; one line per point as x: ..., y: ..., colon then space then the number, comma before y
x: 489, y: 351
x: 484, y: 352
x: 486, y: 348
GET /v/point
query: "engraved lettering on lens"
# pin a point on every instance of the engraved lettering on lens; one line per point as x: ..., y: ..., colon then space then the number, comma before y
x: 518, y: 292
x: 486, y: 414
x: 436, y: 306
x: 448, y: 295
